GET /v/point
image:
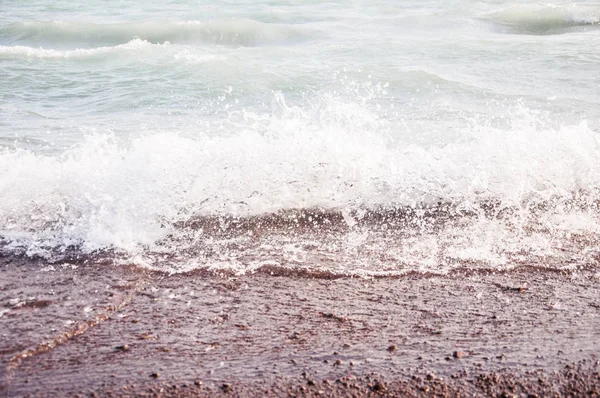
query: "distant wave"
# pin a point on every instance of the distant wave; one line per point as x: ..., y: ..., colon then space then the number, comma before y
x: 24, y: 51
x: 545, y: 19
x: 134, y: 48
x: 233, y: 32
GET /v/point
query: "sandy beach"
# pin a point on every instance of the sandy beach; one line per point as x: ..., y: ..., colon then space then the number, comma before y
x: 284, y: 198
x: 100, y: 330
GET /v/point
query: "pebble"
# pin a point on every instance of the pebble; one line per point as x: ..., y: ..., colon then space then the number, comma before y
x: 377, y: 386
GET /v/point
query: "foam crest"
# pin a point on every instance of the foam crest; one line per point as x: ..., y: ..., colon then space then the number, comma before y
x: 545, y: 18
x: 233, y: 32
x: 133, y: 46
x: 136, y: 49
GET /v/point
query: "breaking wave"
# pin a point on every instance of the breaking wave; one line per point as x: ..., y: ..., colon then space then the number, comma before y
x: 234, y: 32
x: 545, y: 19
x: 302, y: 192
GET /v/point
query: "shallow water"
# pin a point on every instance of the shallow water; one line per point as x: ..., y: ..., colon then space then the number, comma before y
x: 353, y: 137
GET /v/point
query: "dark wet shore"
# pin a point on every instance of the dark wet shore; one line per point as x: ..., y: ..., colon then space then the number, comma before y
x: 119, y: 331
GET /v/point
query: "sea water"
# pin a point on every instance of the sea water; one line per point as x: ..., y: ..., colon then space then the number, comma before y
x: 351, y: 137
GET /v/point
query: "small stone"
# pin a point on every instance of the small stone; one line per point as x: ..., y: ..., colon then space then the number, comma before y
x: 378, y: 386
x: 225, y: 387
x: 124, y: 347
x: 198, y: 383
x: 338, y: 362
x: 430, y: 376
x: 156, y: 375
x: 393, y: 348
x: 459, y: 354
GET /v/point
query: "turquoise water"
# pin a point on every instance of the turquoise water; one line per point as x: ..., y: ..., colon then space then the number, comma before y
x: 120, y: 122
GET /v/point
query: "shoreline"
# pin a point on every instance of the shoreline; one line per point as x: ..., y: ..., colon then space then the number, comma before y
x: 123, y: 331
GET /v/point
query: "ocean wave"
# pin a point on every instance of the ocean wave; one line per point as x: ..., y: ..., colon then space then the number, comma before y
x: 545, y: 19
x: 233, y: 32
x: 495, y: 198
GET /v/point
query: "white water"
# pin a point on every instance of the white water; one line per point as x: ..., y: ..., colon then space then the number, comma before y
x: 118, y: 125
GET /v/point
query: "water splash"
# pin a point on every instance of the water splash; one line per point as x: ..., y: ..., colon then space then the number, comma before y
x: 311, y: 188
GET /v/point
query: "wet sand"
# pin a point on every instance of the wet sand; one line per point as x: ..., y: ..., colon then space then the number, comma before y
x: 120, y: 331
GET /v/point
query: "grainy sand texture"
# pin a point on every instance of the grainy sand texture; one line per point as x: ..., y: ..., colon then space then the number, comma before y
x: 100, y: 330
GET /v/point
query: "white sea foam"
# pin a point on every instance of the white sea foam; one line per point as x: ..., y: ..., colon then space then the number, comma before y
x: 129, y: 196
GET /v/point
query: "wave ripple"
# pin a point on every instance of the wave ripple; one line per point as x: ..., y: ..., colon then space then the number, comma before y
x: 231, y: 32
